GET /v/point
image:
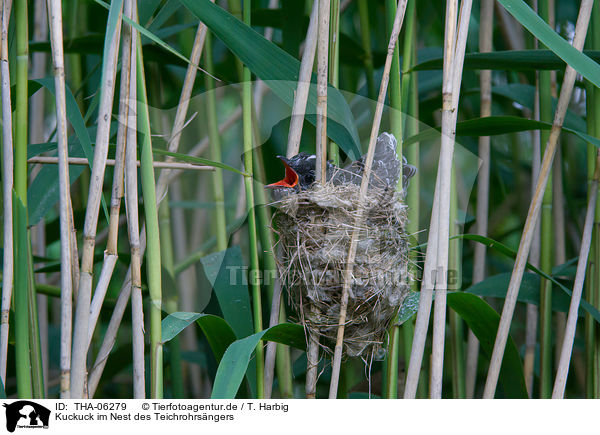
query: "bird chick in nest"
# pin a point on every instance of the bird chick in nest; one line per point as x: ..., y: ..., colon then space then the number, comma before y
x: 300, y: 170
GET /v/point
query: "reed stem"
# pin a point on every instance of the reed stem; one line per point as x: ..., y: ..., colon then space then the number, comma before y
x: 249, y: 187
x: 84, y: 290
x: 215, y: 149
x: 365, y: 33
x: 547, y: 242
x: 301, y: 95
x: 569, y: 335
x: 322, y: 66
x: 396, y: 120
x: 153, y: 262
x: 534, y: 209
x: 7, y: 192
x: 486, y: 28
x: 337, y: 358
x: 66, y: 261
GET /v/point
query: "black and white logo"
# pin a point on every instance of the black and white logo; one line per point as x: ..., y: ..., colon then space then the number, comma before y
x: 26, y: 414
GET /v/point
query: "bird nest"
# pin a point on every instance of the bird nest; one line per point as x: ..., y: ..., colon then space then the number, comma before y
x: 315, y: 227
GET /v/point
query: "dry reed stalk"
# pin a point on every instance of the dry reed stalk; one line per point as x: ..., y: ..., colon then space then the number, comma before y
x: 271, y: 345
x: 558, y: 226
x: 112, y: 162
x: 184, y: 99
x: 562, y: 371
x: 483, y: 182
x: 301, y: 96
x: 312, y: 365
x: 322, y: 42
x: 450, y: 94
x: 347, y: 275
x: 534, y: 209
x: 531, y: 316
x: 187, y: 282
x: 429, y: 273
x: 161, y: 188
x: 436, y: 260
x: 82, y: 311
x: 133, y: 229
x: 66, y: 284
x: 110, y: 254
x: 113, y: 326
x: 271, y: 348
x: 36, y: 135
x: 322, y: 64
x: 38, y: 70
x: 7, y: 186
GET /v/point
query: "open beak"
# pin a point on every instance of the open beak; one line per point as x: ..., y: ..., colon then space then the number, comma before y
x: 290, y: 179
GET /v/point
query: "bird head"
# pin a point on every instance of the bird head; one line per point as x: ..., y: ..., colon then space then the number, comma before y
x: 299, y: 173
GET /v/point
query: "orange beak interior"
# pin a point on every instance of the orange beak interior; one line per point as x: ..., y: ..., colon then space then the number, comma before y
x: 290, y: 180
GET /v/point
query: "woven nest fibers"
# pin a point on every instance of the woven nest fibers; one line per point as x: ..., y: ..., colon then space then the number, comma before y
x: 315, y: 227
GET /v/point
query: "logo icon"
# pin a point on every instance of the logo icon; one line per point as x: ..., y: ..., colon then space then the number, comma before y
x: 26, y: 414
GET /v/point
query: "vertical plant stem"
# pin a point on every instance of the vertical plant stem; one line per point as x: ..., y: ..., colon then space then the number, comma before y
x: 153, y: 262
x: 36, y: 135
x: 412, y: 155
x: 293, y: 147
x: 595, y: 278
x: 337, y: 358
x: 457, y: 347
x: 560, y: 252
x: 66, y: 284
x: 277, y: 355
x: 569, y: 336
x: 82, y: 311
x: 111, y: 255
x: 22, y: 340
x: 38, y: 70
x: 301, y: 95
x: 161, y: 188
x: 532, y: 313
x: 483, y: 182
x: 182, y: 108
x: 170, y: 297
x: 534, y: 209
x: 215, y: 149
x: 129, y: 125
x: 334, y: 64
x: 321, y: 165
x: 396, y: 129
x: 365, y: 33
x: 547, y: 83
x: 453, y: 60
x: 249, y: 187
x: 7, y: 191
x: 322, y: 65
x: 187, y: 282
x: 37, y: 371
x: 21, y: 109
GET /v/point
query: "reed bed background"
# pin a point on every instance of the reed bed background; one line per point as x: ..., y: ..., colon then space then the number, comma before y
x: 137, y: 138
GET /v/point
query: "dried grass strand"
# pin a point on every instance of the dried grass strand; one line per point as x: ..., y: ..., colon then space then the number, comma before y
x: 534, y: 208
x: 451, y: 84
x: 7, y: 187
x: 566, y: 352
x: 483, y: 182
x: 337, y: 359
x: 301, y: 96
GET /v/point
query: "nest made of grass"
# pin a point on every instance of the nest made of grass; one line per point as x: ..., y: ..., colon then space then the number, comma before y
x: 315, y: 227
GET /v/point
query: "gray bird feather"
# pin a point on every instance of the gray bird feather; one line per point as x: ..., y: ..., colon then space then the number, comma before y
x: 385, y: 170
